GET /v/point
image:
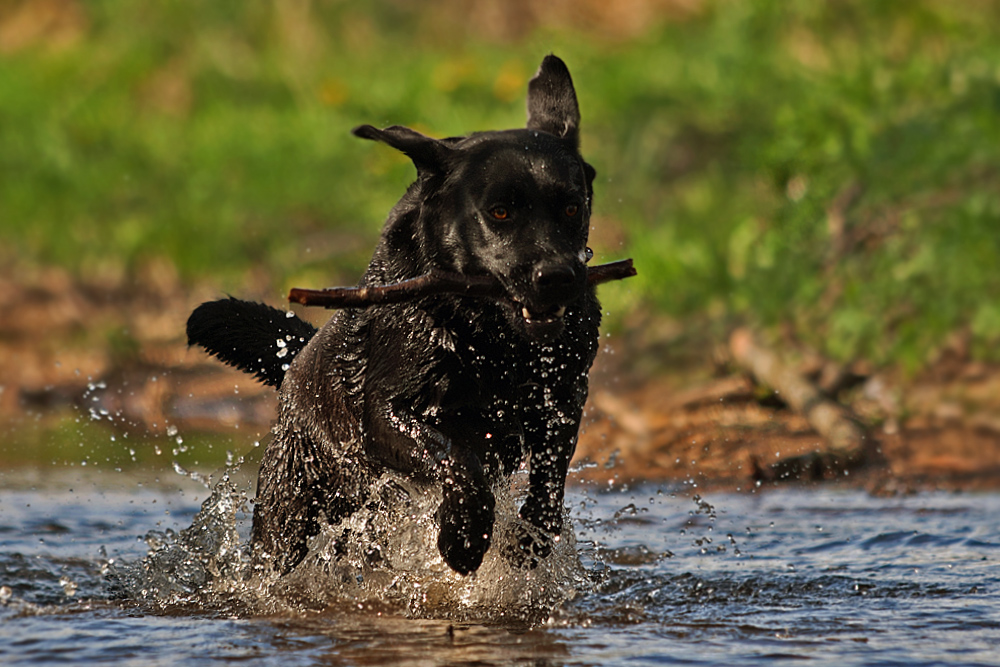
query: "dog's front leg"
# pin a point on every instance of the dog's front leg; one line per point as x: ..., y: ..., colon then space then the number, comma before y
x: 552, y: 433
x: 402, y: 441
x: 543, y: 508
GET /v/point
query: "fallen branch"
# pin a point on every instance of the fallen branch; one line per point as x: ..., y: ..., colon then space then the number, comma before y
x: 850, y: 444
x: 435, y: 282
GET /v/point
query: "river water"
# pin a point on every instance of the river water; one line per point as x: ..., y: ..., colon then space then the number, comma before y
x: 90, y: 573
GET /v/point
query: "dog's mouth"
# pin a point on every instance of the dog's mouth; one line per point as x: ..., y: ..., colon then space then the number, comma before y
x: 543, y: 325
x: 539, y: 294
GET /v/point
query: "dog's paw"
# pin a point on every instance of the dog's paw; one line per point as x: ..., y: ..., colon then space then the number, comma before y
x: 526, y: 547
x: 466, y: 520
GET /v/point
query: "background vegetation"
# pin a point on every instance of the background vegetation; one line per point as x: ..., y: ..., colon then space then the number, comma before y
x: 829, y: 167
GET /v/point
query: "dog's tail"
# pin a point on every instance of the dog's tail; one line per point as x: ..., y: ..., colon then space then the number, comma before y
x: 253, y: 337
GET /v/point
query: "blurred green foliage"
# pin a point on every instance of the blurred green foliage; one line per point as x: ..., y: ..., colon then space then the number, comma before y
x: 830, y: 166
x: 65, y: 439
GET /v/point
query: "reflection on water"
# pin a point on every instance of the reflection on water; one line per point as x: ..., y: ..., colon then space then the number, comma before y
x: 832, y: 576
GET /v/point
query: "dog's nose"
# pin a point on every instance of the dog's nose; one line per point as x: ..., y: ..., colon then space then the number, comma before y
x: 555, y: 281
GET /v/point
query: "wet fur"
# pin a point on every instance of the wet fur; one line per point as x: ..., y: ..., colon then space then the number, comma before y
x: 454, y: 391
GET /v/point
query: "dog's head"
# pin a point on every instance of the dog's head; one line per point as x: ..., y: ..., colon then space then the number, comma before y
x: 513, y: 204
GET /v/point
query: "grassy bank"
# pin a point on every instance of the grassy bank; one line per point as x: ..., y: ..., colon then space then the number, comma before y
x: 829, y: 167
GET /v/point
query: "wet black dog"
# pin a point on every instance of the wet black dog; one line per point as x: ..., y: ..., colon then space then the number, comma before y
x: 451, y: 390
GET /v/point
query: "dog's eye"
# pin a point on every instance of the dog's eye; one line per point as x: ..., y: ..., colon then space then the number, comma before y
x: 572, y: 210
x: 499, y: 213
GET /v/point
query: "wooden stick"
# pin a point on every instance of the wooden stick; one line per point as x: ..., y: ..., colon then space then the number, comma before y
x: 435, y: 282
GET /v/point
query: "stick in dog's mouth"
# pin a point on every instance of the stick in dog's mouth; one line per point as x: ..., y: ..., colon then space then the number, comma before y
x: 443, y: 282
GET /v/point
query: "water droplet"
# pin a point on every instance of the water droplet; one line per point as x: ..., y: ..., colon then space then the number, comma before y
x: 68, y: 585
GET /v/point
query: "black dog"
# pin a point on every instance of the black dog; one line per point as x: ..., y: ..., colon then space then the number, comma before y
x: 451, y: 390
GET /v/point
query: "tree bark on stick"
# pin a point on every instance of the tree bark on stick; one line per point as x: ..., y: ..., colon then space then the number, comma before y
x: 850, y: 444
x: 435, y: 282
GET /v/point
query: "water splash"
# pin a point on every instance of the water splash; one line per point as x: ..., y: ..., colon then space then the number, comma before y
x: 381, y: 559
x: 386, y: 555
x: 202, y: 565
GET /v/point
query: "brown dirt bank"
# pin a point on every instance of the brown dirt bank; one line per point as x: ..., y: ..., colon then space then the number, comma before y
x: 709, y: 423
x: 721, y: 433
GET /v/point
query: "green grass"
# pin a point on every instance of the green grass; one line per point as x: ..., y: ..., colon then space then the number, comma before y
x: 216, y: 135
x: 68, y: 440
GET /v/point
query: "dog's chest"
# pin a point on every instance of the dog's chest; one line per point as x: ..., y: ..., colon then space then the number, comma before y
x: 479, y: 347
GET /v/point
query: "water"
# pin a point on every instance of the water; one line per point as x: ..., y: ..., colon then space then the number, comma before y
x: 824, y: 576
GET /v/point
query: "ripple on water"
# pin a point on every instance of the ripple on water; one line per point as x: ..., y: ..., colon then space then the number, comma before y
x: 832, y: 577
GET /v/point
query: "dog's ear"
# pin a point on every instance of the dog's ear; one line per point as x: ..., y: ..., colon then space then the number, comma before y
x: 552, y: 105
x: 429, y: 155
x: 591, y: 174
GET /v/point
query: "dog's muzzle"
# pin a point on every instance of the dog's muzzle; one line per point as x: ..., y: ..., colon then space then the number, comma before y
x: 553, y: 286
